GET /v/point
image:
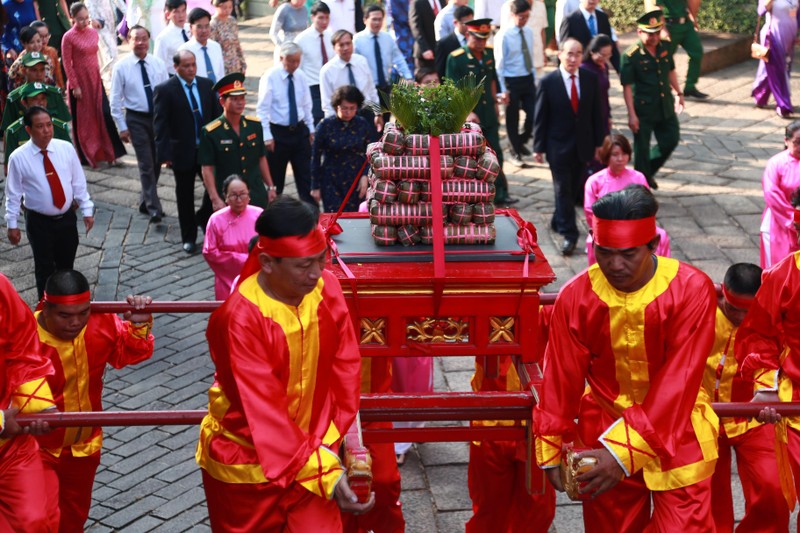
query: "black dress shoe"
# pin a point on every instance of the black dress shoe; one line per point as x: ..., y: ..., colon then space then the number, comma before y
x: 568, y: 246
x: 511, y: 201
x: 189, y: 247
x: 155, y: 219
x: 694, y: 93
x: 523, y: 150
x: 652, y: 183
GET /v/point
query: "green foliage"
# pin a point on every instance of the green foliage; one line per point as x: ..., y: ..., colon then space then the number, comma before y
x: 733, y: 16
x: 434, y: 110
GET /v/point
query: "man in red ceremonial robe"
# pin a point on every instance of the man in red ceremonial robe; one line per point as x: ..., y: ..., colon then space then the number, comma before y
x: 498, y: 469
x: 766, y: 507
x: 25, y: 502
x: 768, y: 351
x: 638, y: 328
x: 80, y: 344
x: 287, y: 386
x: 387, y: 515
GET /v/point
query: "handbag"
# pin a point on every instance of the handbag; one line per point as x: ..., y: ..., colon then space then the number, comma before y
x: 758, y: 50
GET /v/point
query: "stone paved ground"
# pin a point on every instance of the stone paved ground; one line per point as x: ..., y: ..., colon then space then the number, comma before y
x: 711, y: 202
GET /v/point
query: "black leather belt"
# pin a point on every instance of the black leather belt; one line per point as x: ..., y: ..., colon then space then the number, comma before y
x: 676, y: 20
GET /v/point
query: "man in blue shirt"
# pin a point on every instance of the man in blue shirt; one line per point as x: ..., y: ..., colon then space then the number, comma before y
x: 515, y: 70
x: 381, y: 51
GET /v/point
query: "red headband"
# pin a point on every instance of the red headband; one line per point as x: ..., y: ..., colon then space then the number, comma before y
x: 313, y: 243
x: 796, y: 216
x: 67, y: 299
x: 623, y: 234
x: 739, y: 302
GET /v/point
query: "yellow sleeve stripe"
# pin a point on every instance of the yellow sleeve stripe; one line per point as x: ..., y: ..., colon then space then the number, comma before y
x: 765, y: 379
x: 33, y: 396
x: 628, y: 447
x: 548, y: 450
x: 321, y: 473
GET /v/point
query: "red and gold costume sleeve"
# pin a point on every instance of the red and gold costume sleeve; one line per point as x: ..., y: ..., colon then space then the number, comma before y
x: 643, y: 355
x: 769, y: 339
x: 80, y: 364
x: 287, y: 387
x: 22, y: 369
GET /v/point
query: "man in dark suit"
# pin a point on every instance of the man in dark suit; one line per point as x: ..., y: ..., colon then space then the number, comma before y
x: 568, y: 127
x: 421, y: 14
x: 586, y: 22
x: 454, y: 41
x: 183, y: 105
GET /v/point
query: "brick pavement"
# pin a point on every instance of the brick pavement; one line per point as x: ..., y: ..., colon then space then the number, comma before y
x: 711, y: 203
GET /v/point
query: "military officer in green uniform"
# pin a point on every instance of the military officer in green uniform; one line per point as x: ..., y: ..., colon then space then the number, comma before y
x: 680, y: 17
x: 647, y: 73
x: 34, y: 63
x: 33, y: 94
x: 478, y: 58
x: 233, y: 144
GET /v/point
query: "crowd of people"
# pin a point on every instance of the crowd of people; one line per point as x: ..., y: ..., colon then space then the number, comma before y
x: 647, y: 333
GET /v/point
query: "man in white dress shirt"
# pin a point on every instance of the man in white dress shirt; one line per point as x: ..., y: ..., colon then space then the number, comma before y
x: 315, y: 43
x: 343, y: 15
x: 444, y: 24
x: 348, y: 68
x: 174, y: 35
x: 132, y: 83
x: 381, y: 51
x: 284, y: 109
x: 210, y: 63
x: 489, y: 9
x: 45, y: 175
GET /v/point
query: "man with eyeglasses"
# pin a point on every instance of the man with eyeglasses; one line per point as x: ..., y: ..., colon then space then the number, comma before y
x: 184, y: 99
x: 285, y: 110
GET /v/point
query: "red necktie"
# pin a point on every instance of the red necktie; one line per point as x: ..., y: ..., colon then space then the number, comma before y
x: 322, y: 45
x: 435, y: 7
x: 574, y: 95
x: 59, y: 199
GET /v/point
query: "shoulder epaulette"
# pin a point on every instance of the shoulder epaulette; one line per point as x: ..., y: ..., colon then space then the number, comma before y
x: 211, y: 126
x: 631, y: 50
x: 59, y: 122
x: 456, y: 53
x: 253, y: 118
x: 14, y: 126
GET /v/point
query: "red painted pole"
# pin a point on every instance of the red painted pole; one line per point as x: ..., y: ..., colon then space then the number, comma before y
x: 452, y: 406
x: 545, y: 298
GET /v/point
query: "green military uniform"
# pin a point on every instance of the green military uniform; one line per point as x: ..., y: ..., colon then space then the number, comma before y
x: 683, y: 33
x: 229, y: 153
x: 460, y: 63
x: 17, y: 135
x: 654, y: 105
x: 14, y: 108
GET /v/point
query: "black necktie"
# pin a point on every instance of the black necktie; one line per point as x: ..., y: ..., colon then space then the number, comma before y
x: 350, y: 74
x: 292, y: 103
x: 198, y: 115
x: 185, y: 37
x: 379, y: 63
x: 148, y: 91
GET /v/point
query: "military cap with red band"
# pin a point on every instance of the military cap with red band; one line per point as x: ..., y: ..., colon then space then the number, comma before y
x: 481, y: 28
x: 231, y: 85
